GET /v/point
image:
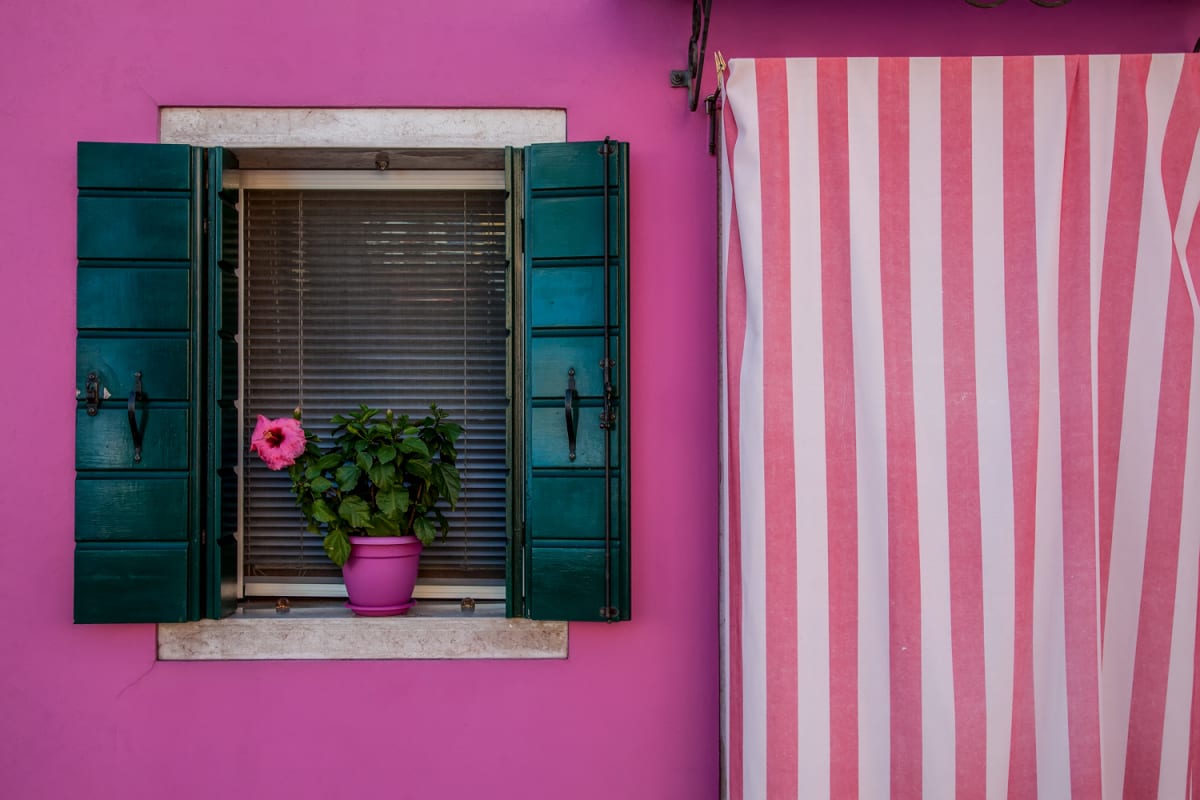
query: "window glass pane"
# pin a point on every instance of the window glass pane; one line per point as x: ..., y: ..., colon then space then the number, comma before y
x: 390, y: 298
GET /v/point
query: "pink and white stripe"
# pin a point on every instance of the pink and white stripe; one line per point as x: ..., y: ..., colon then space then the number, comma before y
x: 961, y: 550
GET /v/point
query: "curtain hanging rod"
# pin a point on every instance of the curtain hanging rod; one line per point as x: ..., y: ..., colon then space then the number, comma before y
x: 690, y: 78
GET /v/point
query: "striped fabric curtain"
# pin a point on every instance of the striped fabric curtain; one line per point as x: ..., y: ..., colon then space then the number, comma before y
x: 961, y: 405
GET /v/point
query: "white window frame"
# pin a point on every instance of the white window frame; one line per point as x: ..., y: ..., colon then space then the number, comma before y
x: 255, y: 635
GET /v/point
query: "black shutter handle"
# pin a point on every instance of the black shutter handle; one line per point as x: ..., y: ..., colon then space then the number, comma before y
x: 571, y: 407
x: 134, y: 429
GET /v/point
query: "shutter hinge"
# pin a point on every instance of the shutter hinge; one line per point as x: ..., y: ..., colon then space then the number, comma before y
x: 92, y: 388
x: 206, y: 226
x: 524, y: 574
x: 608, y: 414
x: 203, y: 536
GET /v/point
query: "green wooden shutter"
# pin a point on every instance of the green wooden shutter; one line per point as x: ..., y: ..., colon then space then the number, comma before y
x: 136, y: 534
x: 574, y: 343
x: 222, y: 307
x: 142, y: 371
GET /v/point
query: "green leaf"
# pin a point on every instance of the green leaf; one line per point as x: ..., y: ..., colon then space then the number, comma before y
x: 423, y: 529
x: 422, y: 469
x: 321, y: 511
x: 364, y: 460
x: 312, y: 471
x: 321, y: 485
x: 450, y: 482
x: 337, y: 547
x: 382, y: 475
x: 414, y: 446
x: 393, y: 502
x: 355, y: 511
x: 329, y: 461
x: 386, y: 453
x: 382, y: 526
x: 347, y: 477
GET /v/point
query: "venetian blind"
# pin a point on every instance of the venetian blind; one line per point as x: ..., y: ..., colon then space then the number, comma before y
x: 395, y: 299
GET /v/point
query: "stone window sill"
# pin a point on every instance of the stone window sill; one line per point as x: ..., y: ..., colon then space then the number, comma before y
x: 316, y: 630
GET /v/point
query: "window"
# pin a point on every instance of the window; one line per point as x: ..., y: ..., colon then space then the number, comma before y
x: 393, y: 297
x: 158, y: 418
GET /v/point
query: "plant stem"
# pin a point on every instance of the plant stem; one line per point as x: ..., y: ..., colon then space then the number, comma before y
x: 412, y: 513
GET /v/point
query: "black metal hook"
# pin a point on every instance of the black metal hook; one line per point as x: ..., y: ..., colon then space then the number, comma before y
x: 134, y: 430
x: 571, y: 407
x: 690, y: 78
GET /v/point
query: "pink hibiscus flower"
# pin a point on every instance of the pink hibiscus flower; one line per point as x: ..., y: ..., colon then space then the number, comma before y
x: 278, y: 442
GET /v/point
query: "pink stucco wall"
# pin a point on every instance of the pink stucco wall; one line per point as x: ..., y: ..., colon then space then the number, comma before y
x: 85, y: 711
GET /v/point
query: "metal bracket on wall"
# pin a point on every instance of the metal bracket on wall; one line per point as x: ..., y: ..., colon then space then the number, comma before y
x: 690, y: 78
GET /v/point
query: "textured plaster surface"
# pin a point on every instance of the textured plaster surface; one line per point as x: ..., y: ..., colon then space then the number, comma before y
x: 352, y: 127
x: 633, y: 711
x: 429, y: 631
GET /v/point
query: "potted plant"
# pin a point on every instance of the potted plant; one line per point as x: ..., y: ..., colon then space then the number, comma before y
x: 374, y: 492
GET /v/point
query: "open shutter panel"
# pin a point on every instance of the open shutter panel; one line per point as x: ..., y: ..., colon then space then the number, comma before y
x: 575, y: 409
x: 222, y: 306
x: 136, y: 460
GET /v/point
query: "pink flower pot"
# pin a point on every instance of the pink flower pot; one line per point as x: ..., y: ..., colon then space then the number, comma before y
x: 380, y: 574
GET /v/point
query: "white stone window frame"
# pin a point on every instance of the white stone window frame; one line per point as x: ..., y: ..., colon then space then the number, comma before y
x: 328, y: 630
